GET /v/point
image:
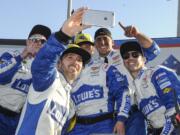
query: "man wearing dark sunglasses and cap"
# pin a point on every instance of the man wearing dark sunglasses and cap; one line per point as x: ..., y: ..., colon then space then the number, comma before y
x: 155, y: 88
x: 15, y: 79
x: 104, y: 44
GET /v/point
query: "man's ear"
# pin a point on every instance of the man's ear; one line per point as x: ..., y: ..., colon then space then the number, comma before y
x: 113, y: 42
x: 59, y: 64
x: 27, y: 42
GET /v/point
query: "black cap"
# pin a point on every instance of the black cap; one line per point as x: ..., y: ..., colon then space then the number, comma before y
x: 73, y: 48
x: 40, y: 29
x: 130, y: 46
x: 102, y: 32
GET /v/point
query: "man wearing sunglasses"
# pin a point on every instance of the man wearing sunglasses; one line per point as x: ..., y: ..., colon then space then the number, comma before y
x: 104, y: 45
x: 15, y: 79
x: 155, y: 88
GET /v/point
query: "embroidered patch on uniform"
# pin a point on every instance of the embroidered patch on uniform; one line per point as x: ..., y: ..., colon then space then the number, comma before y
x: 116, y: 57
x: 159, y: 75
x: 105, y: 67
x: 57, y: 111
x: 161, y: 81
x: 82, y: 37
x: 22, y: 85
x: 149, y: 105
x: 116, y: 63
x: 145, y: 82
x: 86, y: 93
x: 94, y: 68
x: 167, y: 90
x: 165, y: 84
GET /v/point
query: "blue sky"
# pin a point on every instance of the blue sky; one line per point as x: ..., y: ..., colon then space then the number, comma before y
x: 155, y: 18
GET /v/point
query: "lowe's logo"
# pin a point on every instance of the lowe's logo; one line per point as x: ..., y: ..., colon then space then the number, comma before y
x: 150, y: 105
x: 22, y: 85
x: 86, y: 93
x: 57, y: 111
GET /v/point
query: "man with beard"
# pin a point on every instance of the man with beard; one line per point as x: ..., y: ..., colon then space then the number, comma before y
x: 47, y: 106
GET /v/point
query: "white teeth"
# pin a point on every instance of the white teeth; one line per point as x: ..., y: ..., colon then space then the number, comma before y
x: 131, y: 63
x: 103, y: 47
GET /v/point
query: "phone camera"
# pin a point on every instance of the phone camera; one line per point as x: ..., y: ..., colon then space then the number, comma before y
x: 105, y: 18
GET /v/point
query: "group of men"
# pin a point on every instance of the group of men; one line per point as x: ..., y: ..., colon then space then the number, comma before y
x: 104, y: 90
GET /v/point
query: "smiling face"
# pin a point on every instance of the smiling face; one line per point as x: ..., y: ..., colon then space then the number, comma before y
x: 71, y: 65
x: 133, y: 61
x: 104, y: 45
x: 36, y: 41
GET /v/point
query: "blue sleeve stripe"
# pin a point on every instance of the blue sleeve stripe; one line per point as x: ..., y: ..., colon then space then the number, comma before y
x: 44, y: 65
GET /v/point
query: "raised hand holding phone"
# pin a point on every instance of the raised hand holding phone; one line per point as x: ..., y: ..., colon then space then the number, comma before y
x: 99, y: 18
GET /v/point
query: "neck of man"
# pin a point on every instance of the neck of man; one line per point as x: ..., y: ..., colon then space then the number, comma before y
x: 70, y: 78
x: 134, y: 74
x: 104, y: 55
x: 137, y: 72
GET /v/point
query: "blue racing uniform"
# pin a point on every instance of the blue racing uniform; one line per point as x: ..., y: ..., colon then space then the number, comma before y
x: 136, y: 119
x: 95, y: 94
x: 114, y: 58
x: 155, y: 96
x: 47, y: 104
x: 15, y: 79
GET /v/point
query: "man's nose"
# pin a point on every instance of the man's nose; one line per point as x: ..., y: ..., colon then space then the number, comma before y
x: 102, y: 42
x: 74, y: 60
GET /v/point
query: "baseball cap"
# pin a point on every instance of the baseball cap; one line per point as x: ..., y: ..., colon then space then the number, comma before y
x: 130, y: 46
x: 73, y: 48
x: 102, y: 32
x: 40, y: 29
x: 83, y: 38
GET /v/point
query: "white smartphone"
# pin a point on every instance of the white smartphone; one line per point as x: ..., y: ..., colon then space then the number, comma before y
x: 99, y: 18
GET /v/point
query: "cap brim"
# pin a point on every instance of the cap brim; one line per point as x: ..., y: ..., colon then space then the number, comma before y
x: 40, y: 29
x: 84, y: 54
x: 86, y: 42
x: 130, y: 46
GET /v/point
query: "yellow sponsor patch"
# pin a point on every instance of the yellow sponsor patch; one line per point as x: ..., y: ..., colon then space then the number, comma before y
x: 166, y: 90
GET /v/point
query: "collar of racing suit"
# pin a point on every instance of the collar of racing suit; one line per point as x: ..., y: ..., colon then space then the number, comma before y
x: 64, y: 82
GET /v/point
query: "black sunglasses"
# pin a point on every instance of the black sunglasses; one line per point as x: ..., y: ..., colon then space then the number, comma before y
x: 128, y: 54
x: 36, y: 40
